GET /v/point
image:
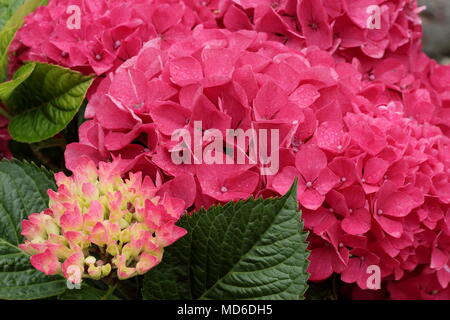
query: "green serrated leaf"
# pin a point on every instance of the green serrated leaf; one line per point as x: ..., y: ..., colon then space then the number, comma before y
x: 7, y: 88
x: 43, y: 99
x: 12, y: 25
x: 87, y: 292
x: 252, y: 249
x: 23, y: 190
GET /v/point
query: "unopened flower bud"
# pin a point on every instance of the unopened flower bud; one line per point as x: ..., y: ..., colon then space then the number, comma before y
x: 90, y: 260
x: 106, y: 270
x: 95, y: 272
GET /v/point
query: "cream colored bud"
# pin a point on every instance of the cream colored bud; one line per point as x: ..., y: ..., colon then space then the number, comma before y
x: 106, y: 270
x: 95, y: 272
x: 128, y: 217
x: 123, y: 223
x: 90, y: 260
x: 125, y: 236
x: 113, y: 249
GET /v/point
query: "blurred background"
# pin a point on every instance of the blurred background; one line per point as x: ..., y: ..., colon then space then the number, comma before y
x: 436, y: 23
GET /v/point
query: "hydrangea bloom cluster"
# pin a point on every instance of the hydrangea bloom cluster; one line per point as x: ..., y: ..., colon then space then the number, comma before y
x: 366, y: 29
x: 110, y: 32
x: 223, y: 79
x: 100, y: 225
x: 97, y: 36
x: 373, y: 171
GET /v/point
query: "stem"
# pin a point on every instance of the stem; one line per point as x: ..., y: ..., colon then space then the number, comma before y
x: 109, y: 292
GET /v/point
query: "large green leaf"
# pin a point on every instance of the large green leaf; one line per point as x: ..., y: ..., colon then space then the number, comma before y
x: 7, y: 88
x: 254, y: 249
x: 11, y: 10
x: 23, y: 190
x: 43, y: 99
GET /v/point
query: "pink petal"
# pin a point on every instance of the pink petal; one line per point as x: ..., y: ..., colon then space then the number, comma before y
x: 185, y: 71
x: 310, y: 161
x: 284, y: 180
x: 320, y: 267
x: 325, y: 181
x: 46, y: 262
x: 357, y: 223
x: 390, y: 226
x: 398, y: 204
x: 182, y: 187
x: 439, y: 258
x: 314, y: 21
x: 310, y: 198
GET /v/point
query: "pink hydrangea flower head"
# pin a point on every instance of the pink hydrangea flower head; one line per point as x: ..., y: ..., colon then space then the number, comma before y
x: 99, y: 222
x: 97, y: 38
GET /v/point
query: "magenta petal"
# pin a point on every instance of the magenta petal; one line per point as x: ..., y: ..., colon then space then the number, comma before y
x: 390, y: 226
x: 398, y: 204
x: 236, y: 19
x: 354, y: 196
x: 375, y: 169
x: 337, y: 202
x: 314, y: 21
x: 269, y: 100
x: 325, y: 181
x: 185, y: 71
x: 310, y: 161
x: 443, y: 277
x: 439, y: 258
x: 182, y: 187
x: 310, y: 198
x: 357, y: 223
x: 320, y: 267
x: 218, y: 65
x: 353, y: 271
x: 283, y: 180
x: 319, y: 221
x: 75, y: 151
x: 170, y: 117
x: 331, y: 136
